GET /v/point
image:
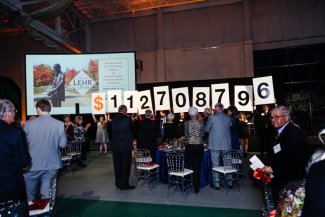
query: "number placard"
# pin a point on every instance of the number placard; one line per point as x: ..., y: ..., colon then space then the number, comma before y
x: 244, y: 98
x: 130, y: 99
x: 114, y: 100
x: 98, y: 103
x: 201, y: 98
x: 161, y: 97
x: 263, y: 90
x: 145, y: 101
x: 181, y: 101
x: 220, y: 93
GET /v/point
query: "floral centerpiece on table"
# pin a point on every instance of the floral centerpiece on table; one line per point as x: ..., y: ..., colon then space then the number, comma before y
x: 292, y: 199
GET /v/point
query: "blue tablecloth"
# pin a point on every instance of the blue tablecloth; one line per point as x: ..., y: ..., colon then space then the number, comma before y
x: 206, y: 168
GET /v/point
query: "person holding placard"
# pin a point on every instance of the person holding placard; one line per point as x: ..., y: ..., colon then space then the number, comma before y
x: 101, y: 133
x: 218, y: 127
x: 290, y: 152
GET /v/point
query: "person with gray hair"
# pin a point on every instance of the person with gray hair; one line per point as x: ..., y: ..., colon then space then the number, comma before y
x: 194, y: 150
x: 147, y: 134
x: 122, y: 140
x: 218, y: 127
x: 170, y: 128
x: 14, y: 157
x: 290, y: 151
x: 45, y: 135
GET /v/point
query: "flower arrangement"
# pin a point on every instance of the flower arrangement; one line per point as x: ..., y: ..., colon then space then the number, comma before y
x: 292, y: 199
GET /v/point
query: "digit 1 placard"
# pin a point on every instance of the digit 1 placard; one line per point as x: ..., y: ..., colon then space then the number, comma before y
x: 220, y: 93
x: 161, y: 98
x: 244, y: 98
x: 114, y: 100
x: 98, y: 104
x: 201, y: 98
x: 145, y: 101
x: 263, y: 90
x: 181, y: 102
x: 130, y: 99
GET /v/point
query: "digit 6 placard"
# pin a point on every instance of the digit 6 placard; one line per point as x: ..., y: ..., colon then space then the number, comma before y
x: 98, y: 103
x: 220, y: 94
x: 130, y: 99
x: 161, y: 97
x: 114, y: 100
x: 244, y: 98
x: 201, y: 98
x: 145, y: 101
x: 263, y: 90
x: 181, y: 102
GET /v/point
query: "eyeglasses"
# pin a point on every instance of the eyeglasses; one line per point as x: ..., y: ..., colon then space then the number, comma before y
x: 276, y: 117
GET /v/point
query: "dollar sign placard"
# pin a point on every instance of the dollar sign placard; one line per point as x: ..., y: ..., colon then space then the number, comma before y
x: 98, y: 103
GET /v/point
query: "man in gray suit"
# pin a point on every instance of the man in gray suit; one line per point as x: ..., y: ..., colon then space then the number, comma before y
x: 218, y: 127
x: 45, y: 135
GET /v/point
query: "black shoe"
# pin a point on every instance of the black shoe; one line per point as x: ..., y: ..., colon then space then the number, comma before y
x: 117, y: 186
x: 230, y: 186
x: 130, y: 187
x: 196, y: 190
x: 211, y: 185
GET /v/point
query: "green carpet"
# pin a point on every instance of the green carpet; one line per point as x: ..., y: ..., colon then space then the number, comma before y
x: 66, y: 207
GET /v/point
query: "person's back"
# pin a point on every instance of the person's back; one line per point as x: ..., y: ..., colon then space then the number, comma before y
x: 121, y: 132
x: 218, y: 127
x: 45, y: 136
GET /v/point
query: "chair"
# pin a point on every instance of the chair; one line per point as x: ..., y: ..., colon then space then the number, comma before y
x: 71, y: 154
x: 178, y: 176
x: 230, y: 171
x: 44, y: 206
x: 145, y: 169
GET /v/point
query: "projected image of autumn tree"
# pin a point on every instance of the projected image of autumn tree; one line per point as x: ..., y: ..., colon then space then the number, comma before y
x: 43, y: 75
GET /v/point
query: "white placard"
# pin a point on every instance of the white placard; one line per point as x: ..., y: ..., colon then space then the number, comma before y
x: 244, y: 98
x: 130, y: 99
x: 220, y: 93
x: 201, y: 98
x: 161, y: 97
x: 181, y: 102
x: 98, y: 103
x: 256, y: 163
x: 145, y: 101
x: 114, y: 100
x: 263, y: 90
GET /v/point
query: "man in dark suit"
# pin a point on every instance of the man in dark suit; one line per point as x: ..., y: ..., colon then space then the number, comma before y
x: 14, y: 157
x: 148, y: 135
x: 290, y: 152
x: 122, y: 148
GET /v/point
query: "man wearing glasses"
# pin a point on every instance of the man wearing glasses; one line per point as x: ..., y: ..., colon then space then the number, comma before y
x: 290, y: 151
x: 14, y: 157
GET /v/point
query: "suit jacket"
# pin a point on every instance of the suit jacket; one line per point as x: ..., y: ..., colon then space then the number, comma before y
x: 121, y: 133
x: 289, y: 163
x: 147, y: 134
x: 13, y: 157
x: 314, y: 205
x: 45, y: 136
x: 218, y: 127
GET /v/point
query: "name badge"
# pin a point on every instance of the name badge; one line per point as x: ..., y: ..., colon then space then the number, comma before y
x: 277, y: 148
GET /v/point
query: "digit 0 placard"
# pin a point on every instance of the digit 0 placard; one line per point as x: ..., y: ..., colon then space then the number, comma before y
x: 98, y: 103
x: 181, y: 101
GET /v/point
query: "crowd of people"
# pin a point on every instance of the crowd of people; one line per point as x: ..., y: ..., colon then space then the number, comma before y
x: 30, y: 155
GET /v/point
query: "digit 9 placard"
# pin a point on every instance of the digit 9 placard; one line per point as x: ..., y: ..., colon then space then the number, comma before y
x: 244, y: 98
x: 98, y: 103
x: 263, y: 90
